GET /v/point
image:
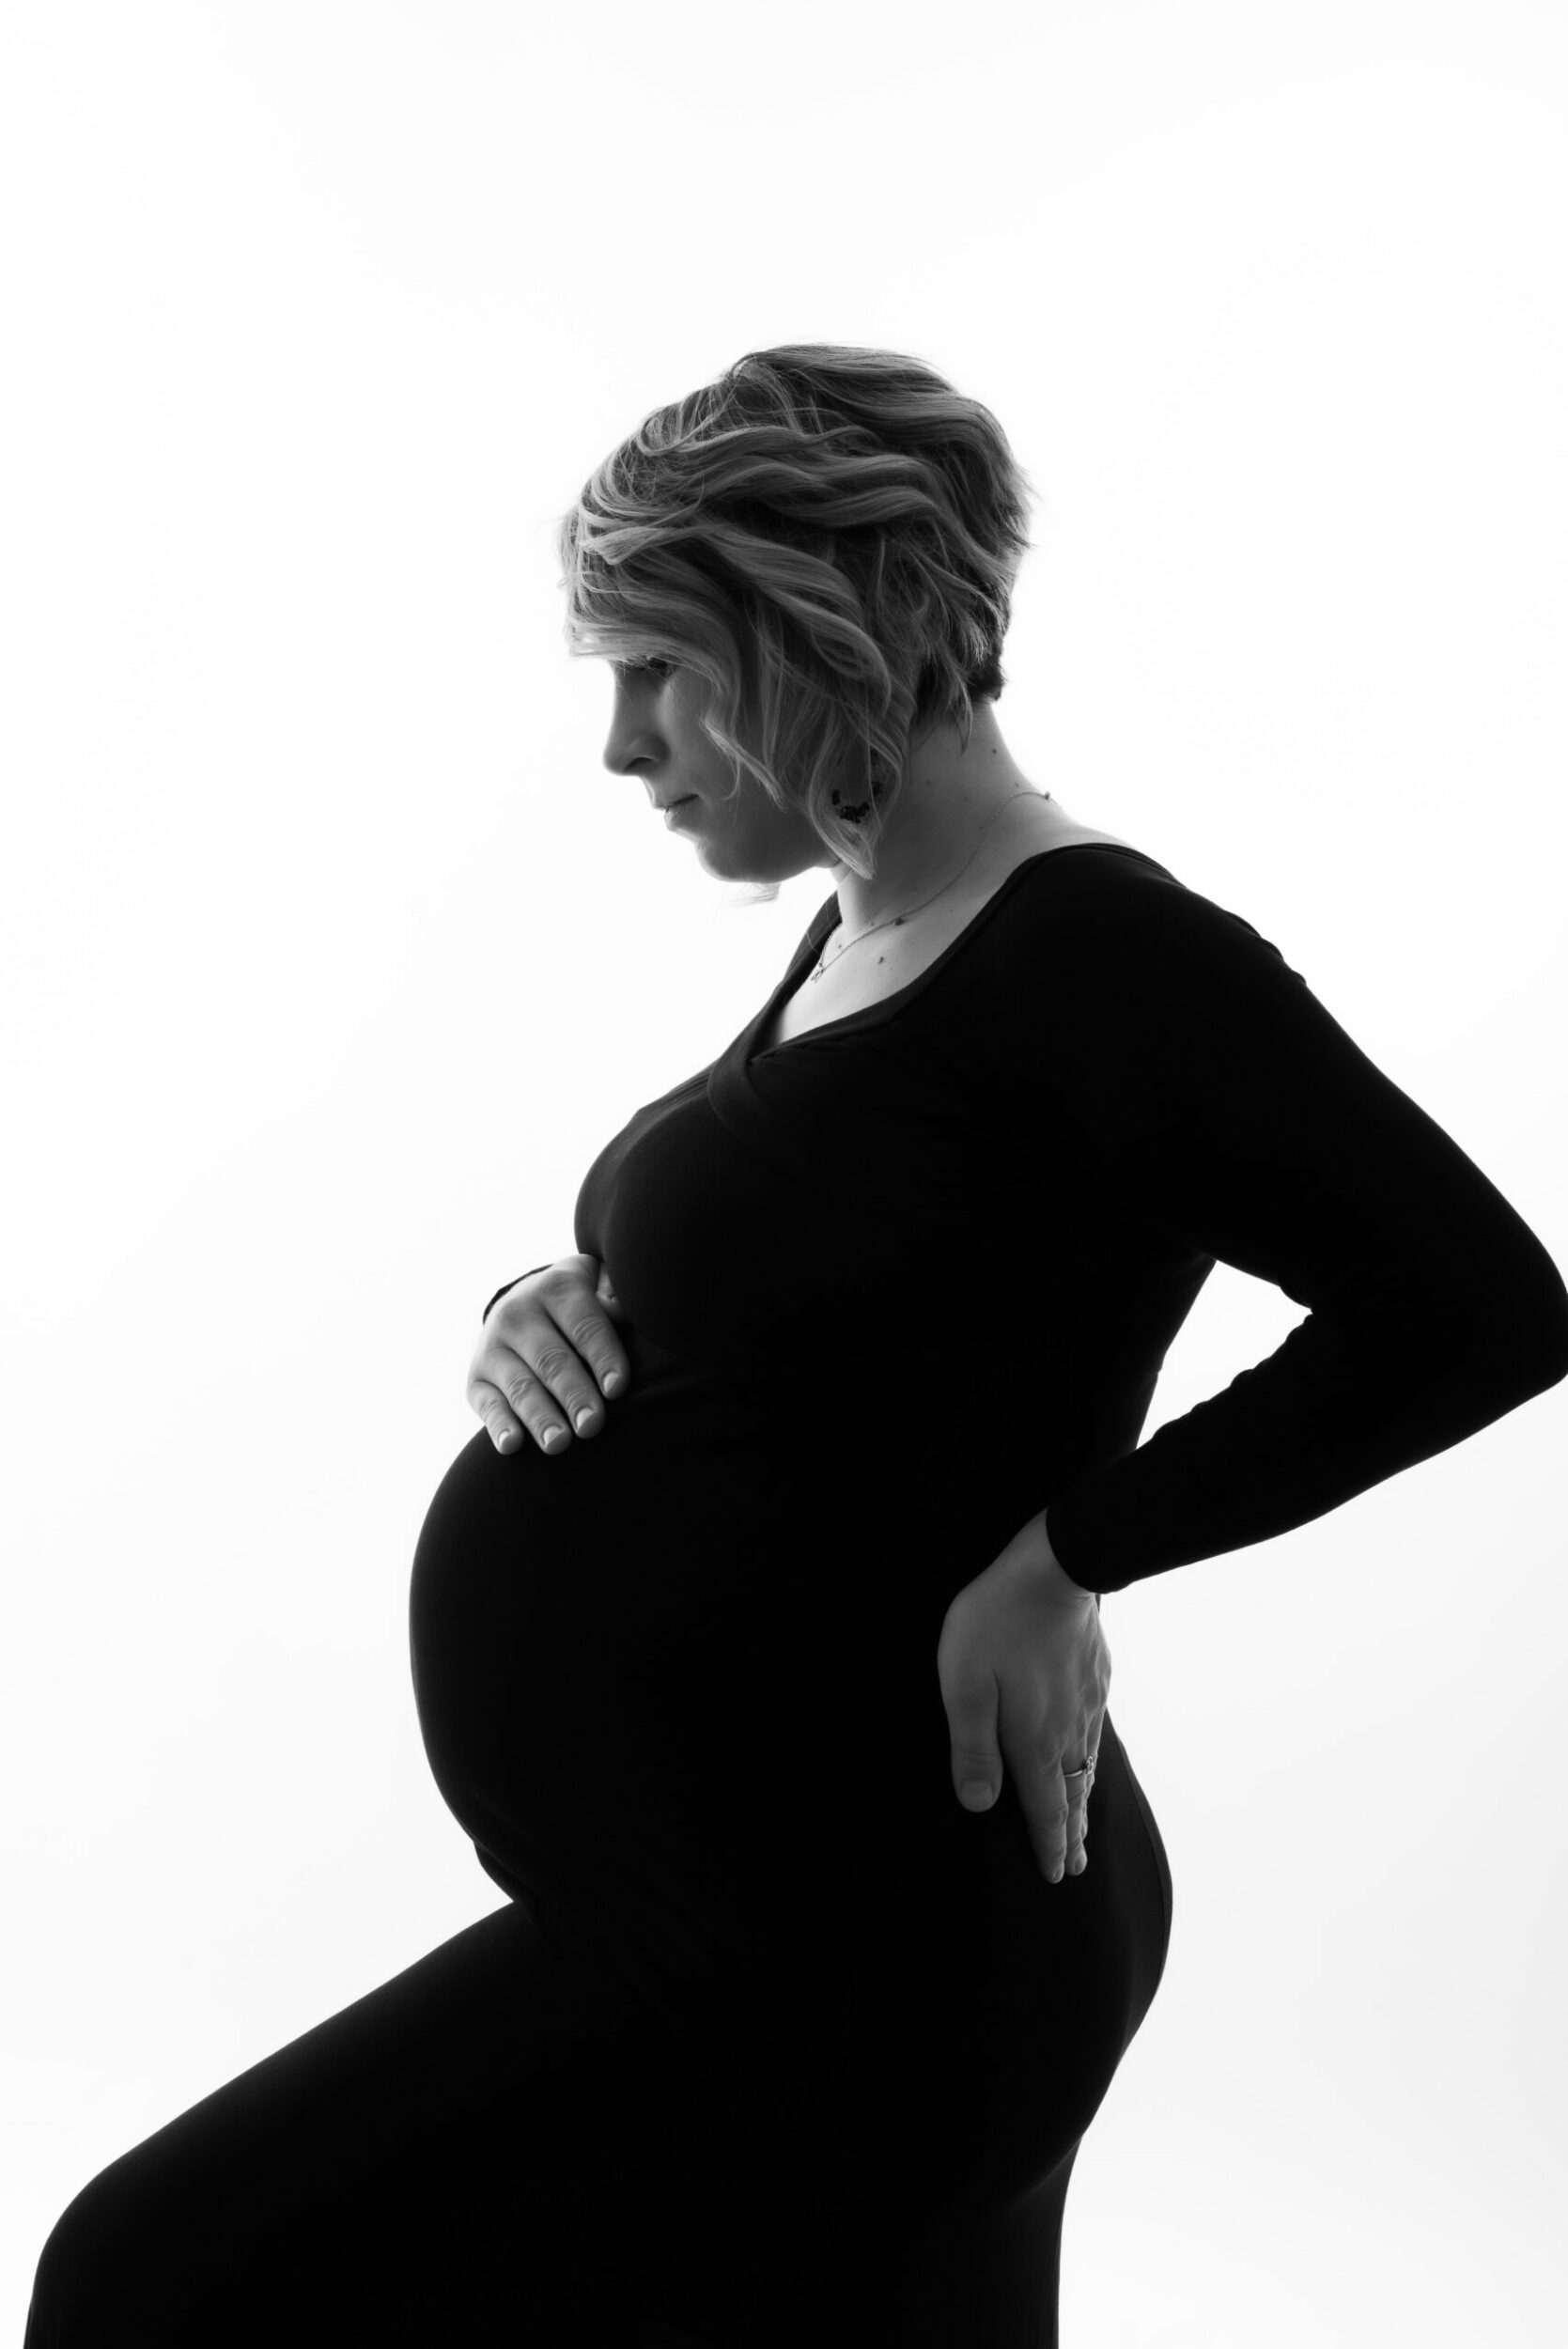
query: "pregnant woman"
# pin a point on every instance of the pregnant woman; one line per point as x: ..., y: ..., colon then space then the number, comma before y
x: 757, y: 1636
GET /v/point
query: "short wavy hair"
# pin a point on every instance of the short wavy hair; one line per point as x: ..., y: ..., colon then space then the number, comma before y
x: 830, y: 537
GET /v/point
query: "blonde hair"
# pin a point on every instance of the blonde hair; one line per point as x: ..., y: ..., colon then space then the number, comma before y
x: 830, y: 537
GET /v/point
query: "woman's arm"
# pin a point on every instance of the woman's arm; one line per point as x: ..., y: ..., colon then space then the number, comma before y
x: 1221, y: 1101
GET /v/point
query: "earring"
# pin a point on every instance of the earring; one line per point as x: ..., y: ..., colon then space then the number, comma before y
x: 856, y: 815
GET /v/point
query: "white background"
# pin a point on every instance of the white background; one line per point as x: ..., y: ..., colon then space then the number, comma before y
x: 332, y: 954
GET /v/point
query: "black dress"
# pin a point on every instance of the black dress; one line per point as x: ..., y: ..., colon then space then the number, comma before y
x: 774, y: 2042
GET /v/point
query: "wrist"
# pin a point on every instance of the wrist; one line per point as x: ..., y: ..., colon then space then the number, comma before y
x: 1052, y: 1575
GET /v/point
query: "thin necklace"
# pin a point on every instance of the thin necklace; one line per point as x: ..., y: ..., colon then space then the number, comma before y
x: 958, y: 876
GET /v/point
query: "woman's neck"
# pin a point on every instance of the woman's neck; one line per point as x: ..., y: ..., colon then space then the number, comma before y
x: 948, y: 798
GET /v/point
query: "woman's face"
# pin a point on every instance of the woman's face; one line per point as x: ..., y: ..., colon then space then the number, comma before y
x: 654, y: 735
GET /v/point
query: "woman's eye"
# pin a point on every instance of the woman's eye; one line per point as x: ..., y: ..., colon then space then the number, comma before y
x: 649, y: 668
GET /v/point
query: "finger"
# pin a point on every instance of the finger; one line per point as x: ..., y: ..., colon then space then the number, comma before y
x: 595, y: 1337
x: 1079, y: 1788
x: 972, y: 1728
x: 502, y: 1427
x: 1042, y: 1794
x: 546, y: 1403
x: 1077, y: 1827
x: 567, y: 1342
x: 515, y: 1403
x: 564, y: 1332
x: 544, y: 1382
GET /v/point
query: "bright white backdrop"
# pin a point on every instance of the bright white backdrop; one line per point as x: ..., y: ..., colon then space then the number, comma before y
x: 332, y: 954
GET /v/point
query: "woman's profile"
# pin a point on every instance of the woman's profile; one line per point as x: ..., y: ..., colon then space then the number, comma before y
x: 758, y: 1633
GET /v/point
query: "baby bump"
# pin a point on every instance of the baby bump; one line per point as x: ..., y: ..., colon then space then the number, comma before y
x: 664, y: 1582
x: 520, y: 1607
x: 634, y: 1680
x: 577, y: 1636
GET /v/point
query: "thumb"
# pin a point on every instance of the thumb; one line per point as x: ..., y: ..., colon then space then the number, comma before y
x: 976, y: 1773
x: 972, y: 1701
x: 604, y: 1290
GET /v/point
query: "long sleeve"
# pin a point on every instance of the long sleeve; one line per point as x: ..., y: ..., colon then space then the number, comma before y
x: 1213, y: 1093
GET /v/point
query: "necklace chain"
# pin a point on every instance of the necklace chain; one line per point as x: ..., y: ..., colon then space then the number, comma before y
x: 823, y: 967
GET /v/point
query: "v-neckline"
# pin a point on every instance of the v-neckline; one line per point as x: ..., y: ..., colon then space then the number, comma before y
x: 886, y: 1006
x: 738, y: 1089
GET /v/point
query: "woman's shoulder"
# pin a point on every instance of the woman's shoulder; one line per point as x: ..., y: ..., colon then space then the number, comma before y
x: 1040, y: 839
x: 1117, y: 914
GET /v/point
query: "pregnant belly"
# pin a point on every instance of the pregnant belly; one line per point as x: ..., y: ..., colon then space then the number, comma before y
x: 606, y: 1653
x: 679, y: 1685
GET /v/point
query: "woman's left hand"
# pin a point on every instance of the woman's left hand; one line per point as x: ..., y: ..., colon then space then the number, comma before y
x: 1025, y: 1673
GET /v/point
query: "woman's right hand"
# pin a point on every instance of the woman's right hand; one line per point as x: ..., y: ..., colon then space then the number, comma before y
x: 547, y: 1349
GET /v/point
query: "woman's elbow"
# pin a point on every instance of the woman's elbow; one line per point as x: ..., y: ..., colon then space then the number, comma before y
x: 1535, y: 1332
